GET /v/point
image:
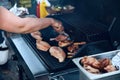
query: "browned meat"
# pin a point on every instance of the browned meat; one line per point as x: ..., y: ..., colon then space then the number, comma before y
x: 110, y: 68
x: 42, y: 45
x: 60, y: 37
x: 79, y: 43
x: 58, y: 53
x: 91, y: 69
x: 90, y: 61
x: 36, y: 35
x: 72, y: 48
x: 64, y: 43
x: 104, y: 62
x: 92, y: 65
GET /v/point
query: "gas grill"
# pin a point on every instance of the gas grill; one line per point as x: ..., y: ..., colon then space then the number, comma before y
x: 37, y: 64
x: 48, y: 33
x: 50, y: 64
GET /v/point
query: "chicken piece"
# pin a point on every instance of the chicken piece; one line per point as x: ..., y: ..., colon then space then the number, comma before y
x: 90, y: 61
x: 36, y: 35
x: 96, y: 64
x: 58, y: 53
x: 64, y: 43
x: 42, y: 45
x: 104, y: 62
x: 110, y: 68
x: 91, y: 69
x: 73, y: 48
x: 70, y: 54
x: 60, y: 37
x: 79, y: 43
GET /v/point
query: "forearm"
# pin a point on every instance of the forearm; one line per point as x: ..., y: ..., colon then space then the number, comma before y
x: 11, y: 23
x: 34, y: 24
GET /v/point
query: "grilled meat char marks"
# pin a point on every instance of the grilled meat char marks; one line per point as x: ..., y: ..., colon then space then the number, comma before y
x: 95, y: 66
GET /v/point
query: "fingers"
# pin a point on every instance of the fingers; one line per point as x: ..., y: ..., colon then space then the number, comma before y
x: 57, y: 26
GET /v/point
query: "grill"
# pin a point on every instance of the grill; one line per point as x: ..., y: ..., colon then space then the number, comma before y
x: 83, y: 24
x: 76, y: 30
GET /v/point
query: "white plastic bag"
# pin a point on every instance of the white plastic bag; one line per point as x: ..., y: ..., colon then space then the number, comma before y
x: 116, y: 60
x: 18, y: 10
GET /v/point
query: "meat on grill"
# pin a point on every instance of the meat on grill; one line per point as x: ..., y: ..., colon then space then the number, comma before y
x: 58, y: 53
x: 79, y: 43
x: 64, y: 43
x: 42, y: 45
x: 60, y: 37
x: 72, y: 48
x: 36, y: 35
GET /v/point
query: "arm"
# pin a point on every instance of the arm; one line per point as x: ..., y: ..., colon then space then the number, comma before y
x: 11, y: 23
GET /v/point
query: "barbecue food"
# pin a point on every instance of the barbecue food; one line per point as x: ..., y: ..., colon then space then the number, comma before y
x: 90, y: 61
x: 104, y: 62
x: 42, y: 45
x: 79, y: 43
x: 60, y: 37
x: 110, y: 68
x: 64, y: 43
x: 97, y: 66
x: 72, y: 48
x: 36, y: 35
x: 75, y: 46
x: 58, y: 53
x: 91, y: 69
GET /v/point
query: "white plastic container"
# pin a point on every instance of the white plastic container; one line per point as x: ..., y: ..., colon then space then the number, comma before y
x: 85, y: 75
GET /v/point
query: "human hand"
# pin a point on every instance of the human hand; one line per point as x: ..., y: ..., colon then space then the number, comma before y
x: 57, y: 26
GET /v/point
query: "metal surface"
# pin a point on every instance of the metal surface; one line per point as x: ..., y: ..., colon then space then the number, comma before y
x: 29, y: 57
x: 52, y: 63
x: 33, y: 65
x: 85, y: 75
